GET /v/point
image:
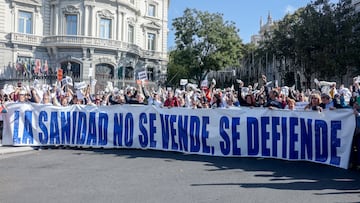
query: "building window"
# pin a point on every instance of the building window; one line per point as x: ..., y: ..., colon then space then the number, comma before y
x: 150, y: 73
x: 131, y: 34
x: 151, y: 10
x: 25, y: 22
x: 71, y: 24
x: 151, y: 41
x: 105, y: 28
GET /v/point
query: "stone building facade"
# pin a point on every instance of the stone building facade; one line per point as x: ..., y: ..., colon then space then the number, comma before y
x: 102, y: 39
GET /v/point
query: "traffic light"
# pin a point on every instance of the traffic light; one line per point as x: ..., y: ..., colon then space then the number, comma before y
x: 59, y: 74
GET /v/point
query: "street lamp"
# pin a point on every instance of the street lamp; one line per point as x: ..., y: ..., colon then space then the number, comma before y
x: 69, y: 68
x: 121, y: 67
x: 90, y: 77
x: 233, y: 76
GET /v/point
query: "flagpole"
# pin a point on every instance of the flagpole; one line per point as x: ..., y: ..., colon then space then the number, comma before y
x: 90, y: 76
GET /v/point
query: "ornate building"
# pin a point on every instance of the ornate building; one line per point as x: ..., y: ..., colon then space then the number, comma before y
x: 264, y: 28
x: 253, y: 67
x: 102, y: 39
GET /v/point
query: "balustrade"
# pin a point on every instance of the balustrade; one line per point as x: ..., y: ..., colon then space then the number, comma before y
x: 27, y: 39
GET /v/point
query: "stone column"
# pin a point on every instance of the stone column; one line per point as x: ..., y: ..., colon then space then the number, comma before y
x: 122, y: 26
x: 118, y: 24
x: 92, y: 21
x: 13, y: 21
x: 57, y: 19
x: 86, y: 21
x: 35, y: 17
x: 51, y: 19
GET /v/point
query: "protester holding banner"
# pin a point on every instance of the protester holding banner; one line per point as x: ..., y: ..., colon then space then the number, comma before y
x: 191, y: 98
x: 273, y: 100
x: 154, y: 99
x: 22, y: 96
x: 290, y: 104
x: 314, y: 102
x: 216, y: 101
x: 3, y: 110
x: 171, y: 101
x: 327, y: 102
x: 249, y: 99
x: 355, y: 156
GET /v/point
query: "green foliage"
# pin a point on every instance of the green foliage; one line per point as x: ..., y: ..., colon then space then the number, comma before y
x: 204, y: 42
x: 176, y: 71
x: 322, y: 38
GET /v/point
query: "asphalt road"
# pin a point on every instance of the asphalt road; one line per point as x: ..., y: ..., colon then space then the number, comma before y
x: 100, y: 175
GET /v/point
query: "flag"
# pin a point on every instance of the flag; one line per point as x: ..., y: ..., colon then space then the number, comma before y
x: 46, y: 68
x: 25, y: 68
x: 19, y: 67
x: 37, y: 66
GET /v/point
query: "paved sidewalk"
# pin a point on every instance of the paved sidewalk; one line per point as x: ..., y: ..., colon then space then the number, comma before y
x: 12, y: 149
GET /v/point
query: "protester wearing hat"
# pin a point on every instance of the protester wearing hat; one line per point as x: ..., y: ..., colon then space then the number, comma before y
x: 22, y: 96
x: 155, y: 99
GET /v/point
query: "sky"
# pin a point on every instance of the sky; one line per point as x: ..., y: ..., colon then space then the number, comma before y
x: 245, y: 13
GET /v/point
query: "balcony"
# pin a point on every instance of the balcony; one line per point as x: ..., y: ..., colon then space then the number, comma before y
x: 27, y: 39
x: 83, y: 41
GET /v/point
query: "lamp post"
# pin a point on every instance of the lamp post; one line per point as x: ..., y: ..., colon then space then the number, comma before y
x: 120, y: 65
x: 69, y: 68
x: 90, y: 77
x: 121, y: 71
x: 233, y: 77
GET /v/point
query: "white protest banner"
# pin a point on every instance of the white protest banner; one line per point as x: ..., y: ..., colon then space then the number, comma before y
x: 79, y: 94
x: 321, y: 137
x: 110, y: 86
x: 238, y: 81
x: 93, y: 82
x: 67, y: 81
x: 191, y: 86
x: 80, y: 85
x: 142, y: 75
x: 357, y: 79
x: 213, y: 81
x: 91, y: 70
x: 285, y: 90
x: 36, y: 82
x: 204, y: 83
x: 8, y: 89
x: 183, y: 81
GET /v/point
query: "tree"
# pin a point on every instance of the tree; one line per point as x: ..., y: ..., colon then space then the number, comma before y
x: 175, y: 71
x: 346, y: 47
x: 204, y: 42
x: 321, y: 38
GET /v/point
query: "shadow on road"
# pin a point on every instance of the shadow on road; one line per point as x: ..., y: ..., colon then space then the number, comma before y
x: 289, y: 175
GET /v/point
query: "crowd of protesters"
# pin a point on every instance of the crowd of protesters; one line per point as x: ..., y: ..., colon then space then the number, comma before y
x: 327, y: 96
